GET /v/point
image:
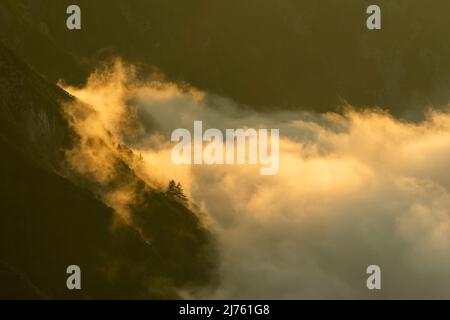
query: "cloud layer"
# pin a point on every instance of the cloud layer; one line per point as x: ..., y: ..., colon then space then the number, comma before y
x: 354, y: 189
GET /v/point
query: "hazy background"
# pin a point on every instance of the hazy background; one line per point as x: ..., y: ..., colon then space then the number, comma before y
x: 266, y: 54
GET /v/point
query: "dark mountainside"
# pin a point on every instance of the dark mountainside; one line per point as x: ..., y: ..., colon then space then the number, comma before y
x: 50, y: 218
x: 268, y: 54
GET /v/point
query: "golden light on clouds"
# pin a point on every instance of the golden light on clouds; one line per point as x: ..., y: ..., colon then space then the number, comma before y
x: 352, y: 188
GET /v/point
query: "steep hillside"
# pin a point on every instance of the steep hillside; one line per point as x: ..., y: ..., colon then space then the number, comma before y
x: 51, y: 218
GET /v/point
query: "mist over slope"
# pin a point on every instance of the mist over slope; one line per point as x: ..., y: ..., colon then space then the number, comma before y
x: 353, y: 189
x: 267, y: 54
x: 52, y: 216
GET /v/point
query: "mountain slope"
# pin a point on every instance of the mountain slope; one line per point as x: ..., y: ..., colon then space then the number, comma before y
x: 50, y: 220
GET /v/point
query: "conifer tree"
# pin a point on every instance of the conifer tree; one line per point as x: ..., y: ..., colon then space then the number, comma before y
x: 175, y: 191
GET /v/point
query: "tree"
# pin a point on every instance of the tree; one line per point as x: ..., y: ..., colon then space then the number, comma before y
x: 175, y: 191
x: 171, y: 188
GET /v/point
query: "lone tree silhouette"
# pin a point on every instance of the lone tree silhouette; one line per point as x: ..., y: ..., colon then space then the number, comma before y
x: 175, y: 191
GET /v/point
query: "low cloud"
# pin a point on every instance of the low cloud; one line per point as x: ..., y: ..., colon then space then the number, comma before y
x: 354, y: 189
